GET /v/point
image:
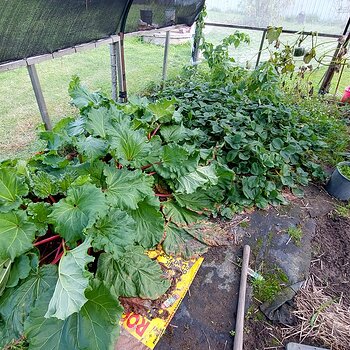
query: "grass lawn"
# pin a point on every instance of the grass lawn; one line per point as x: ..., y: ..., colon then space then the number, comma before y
x: 19, y: 115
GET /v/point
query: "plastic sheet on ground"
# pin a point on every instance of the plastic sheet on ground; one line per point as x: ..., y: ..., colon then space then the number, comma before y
x: 141, y: 332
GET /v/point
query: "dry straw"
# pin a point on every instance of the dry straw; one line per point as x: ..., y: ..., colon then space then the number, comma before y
x: 323, y: 319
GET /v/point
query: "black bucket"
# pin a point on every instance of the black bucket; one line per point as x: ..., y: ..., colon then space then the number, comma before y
x: 338, y: 185
x: 146, y: 16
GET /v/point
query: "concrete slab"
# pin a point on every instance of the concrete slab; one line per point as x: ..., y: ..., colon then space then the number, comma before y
x: 295, y: 346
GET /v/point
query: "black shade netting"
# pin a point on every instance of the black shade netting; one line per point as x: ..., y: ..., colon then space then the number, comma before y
x: 34, y: 27
x: 152, y: 14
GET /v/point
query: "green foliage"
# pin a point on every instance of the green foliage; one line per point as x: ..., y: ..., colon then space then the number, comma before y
x: 122, y: 179
x: 295, y: 234
x: 345, y: 170
x: 92, y: 202
x: 343, y: 210
x: 267, y: 288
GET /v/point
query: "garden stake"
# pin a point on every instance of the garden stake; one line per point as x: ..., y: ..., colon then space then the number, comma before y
x: 238, y: 342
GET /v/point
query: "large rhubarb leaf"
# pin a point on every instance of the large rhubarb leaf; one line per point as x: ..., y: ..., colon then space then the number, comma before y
x: 99, y: 123
x: 199, y: 201
x: 133, y: 275
x: 129, y: 146
x: 5, y: 268
x: 44, y: 184
x: 176, y: 161
x: 92, y: 147
x: 79, y: 210
x: 113, y: 233
x: 149, y: 223
x: 175, y: 213
x: 38, y: 214
x: 21, y: 268
x: 16, y: 234
x: 178, y: 241
x: 73, y: 279
x: 163, y: 109
x: 12, y: 187
x: 95, y: 326
x: 175, y: 133
x: 80, y: 95
x: 16, y: 303
x: 125, y: 188
x: 202, y: 176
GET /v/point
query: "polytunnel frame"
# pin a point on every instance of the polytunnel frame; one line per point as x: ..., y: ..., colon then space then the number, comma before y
x: 117, y: 57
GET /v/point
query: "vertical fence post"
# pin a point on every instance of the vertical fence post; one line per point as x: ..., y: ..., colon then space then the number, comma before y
x: 113, y: 55
x: 39, y: 96
x: 165, y: 59
x: 196, y: 42
x: 119, y: 69
x: 261, y: 47
x: 123, y: 96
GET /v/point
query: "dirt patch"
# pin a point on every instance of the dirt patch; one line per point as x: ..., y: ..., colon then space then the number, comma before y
x: 330, y: 270
x: 331, y: 248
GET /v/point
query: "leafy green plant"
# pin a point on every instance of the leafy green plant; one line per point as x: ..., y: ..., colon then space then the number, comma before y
x: 218, y: 57
x: 295, y: 233
x: 77, y: 218
x: 345, y: 170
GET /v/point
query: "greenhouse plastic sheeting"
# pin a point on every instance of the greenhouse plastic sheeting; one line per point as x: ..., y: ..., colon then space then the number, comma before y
x: 34, y: 27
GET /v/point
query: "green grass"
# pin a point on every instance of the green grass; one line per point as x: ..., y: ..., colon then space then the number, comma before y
x: 19, y: 115
x: 295, y: 234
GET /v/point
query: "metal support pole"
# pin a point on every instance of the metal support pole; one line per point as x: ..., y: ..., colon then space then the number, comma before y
x: 113, y: 55
x: 123, y: 95
x: 196, y: 42
x: 119, y: 69
x: 39, y: 96
x: 260, y: 48
x: 166, y: 53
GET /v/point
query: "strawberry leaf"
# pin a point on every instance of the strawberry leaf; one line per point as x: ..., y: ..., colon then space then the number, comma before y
x: 73, y: 279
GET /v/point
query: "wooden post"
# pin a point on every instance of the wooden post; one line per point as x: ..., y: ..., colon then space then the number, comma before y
x: 113, y: 55
x: 39, y: 96
x: 238, y: 341
x: 166, y: 53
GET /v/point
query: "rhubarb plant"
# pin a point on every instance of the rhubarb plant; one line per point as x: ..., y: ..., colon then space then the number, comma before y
x: 77, y: 219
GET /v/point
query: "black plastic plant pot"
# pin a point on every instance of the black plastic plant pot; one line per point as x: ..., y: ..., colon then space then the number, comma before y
x: 146, y: 16
x: 299, y: 51
x: 338, y: 185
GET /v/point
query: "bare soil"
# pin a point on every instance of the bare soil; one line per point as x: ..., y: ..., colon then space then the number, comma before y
x: 331, y: 268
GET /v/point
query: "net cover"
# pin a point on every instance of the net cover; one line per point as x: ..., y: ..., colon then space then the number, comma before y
x: 35, y: 27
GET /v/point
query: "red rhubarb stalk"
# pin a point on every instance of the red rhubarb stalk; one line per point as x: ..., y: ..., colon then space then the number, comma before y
x: 46, y: 240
